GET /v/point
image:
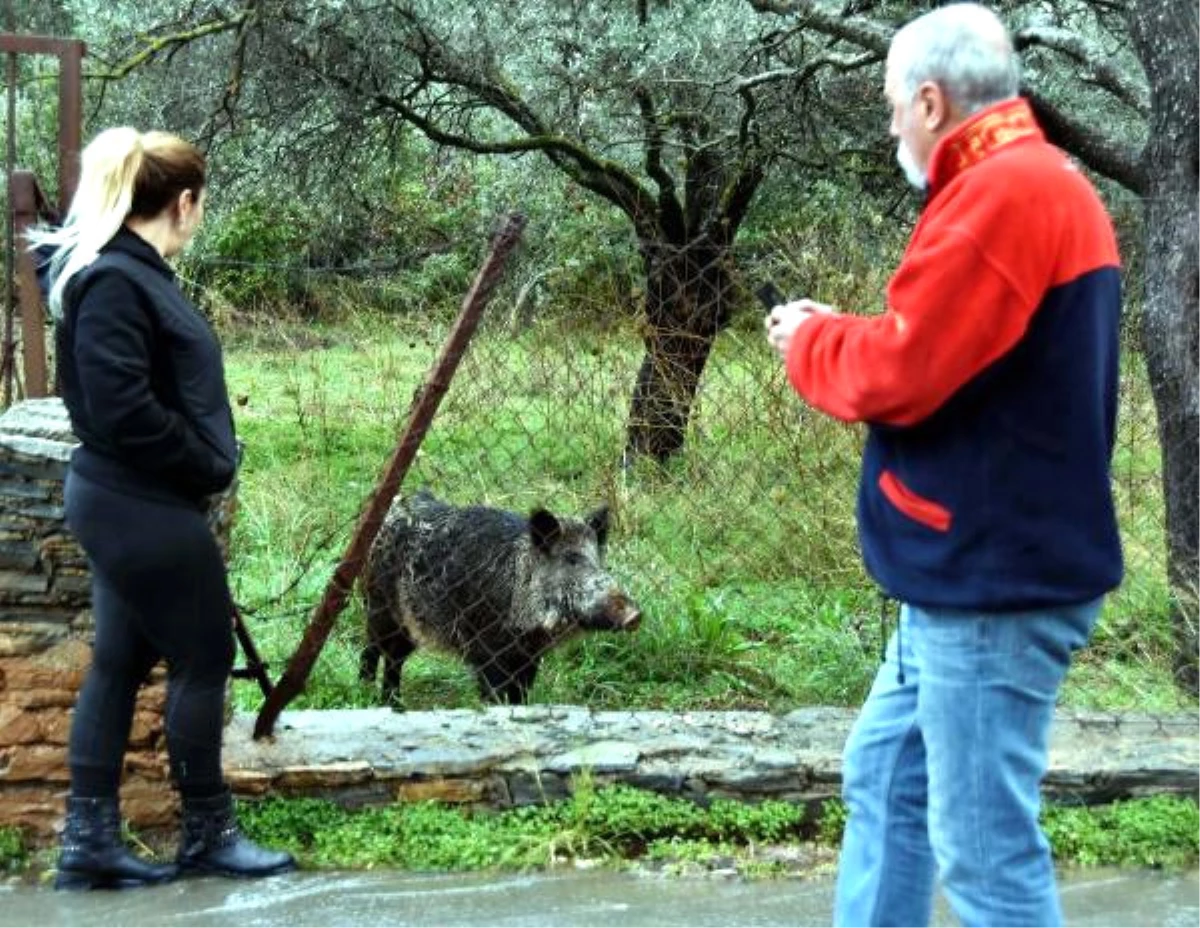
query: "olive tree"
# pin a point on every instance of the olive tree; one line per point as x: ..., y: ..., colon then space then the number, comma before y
x: 671, y: 112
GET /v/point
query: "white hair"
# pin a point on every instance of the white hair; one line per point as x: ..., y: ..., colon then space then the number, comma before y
x: 965, y: 49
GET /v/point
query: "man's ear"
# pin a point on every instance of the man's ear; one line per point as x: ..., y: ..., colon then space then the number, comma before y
x: 933, y: 109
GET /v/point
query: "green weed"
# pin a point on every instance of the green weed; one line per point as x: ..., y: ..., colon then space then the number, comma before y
x: 619, y: 824
x: 14, y: 853
x: 1160, y: 831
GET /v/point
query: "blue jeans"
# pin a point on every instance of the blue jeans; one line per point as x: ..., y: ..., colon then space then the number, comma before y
x: 942, y: 772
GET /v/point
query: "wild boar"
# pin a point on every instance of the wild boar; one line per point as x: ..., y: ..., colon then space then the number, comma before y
x: 495, y: 588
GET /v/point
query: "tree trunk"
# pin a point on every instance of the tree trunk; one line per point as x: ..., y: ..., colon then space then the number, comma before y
x: 1166, y: 38
x: 687, y: 302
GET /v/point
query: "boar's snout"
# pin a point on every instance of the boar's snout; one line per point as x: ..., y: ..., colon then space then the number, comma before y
x: 613, y: 612
x: 626, y: 616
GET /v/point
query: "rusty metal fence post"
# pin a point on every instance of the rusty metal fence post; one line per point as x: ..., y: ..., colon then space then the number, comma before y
x: 29, y: 205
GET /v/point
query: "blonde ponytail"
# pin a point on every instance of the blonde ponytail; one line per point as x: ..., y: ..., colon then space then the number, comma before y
x: 103, y: 199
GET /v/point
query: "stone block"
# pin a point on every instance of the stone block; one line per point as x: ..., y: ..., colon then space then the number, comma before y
x: 60, y: 667
x: 70, y: 588
x: 41, y: 699
x: 27, y: 449
x: 20, y: 725
x: 149, y: 764
x: 600, y: 757
x: 36, y: 809
x: 149, y: 803
x: 250, y: 782
x: 42, y: 417
x: 15, y: 488
x: 455, y: 791
x: 534, y: 789
x: 30, y: 638
x: 19, y: 555
x: 31, y: 763
x: 62, y: 700
x: 147, y: 722
x: 23, y: 466
x: 14, y: 583
x: 324, y: 776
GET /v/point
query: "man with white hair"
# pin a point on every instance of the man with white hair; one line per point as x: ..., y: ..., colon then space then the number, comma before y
x: 989, y: 387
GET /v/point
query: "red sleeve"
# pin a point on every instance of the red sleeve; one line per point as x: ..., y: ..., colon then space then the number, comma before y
x: 951, y: 312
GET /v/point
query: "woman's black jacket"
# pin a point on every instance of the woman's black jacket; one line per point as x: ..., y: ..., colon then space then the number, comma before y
x: 141, y: 374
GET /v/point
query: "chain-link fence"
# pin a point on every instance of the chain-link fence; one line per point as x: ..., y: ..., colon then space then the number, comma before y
x: 562, y: 560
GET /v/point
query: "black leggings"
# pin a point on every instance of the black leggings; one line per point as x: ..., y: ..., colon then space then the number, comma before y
x: 159, y: 590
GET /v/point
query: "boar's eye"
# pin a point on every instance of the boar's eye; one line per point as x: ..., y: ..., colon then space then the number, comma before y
x: 575, y: 558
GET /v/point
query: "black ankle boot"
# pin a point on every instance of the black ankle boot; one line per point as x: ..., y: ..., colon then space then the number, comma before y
x: 94, y: 856
x: 213, y: 843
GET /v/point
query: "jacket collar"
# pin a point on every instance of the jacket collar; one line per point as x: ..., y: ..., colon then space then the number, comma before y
x: 982, y: 135
x: 130, y: 243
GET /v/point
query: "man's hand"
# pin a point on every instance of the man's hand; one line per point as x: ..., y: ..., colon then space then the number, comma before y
x: 783, y: 321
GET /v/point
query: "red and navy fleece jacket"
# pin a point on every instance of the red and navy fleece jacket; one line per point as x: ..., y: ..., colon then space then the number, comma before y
x: 989, y: 384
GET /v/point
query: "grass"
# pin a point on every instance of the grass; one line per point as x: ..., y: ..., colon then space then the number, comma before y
x: 621, y: 826
x: 741, y: 550
x: 14, y: 851
x: 1160, y: 831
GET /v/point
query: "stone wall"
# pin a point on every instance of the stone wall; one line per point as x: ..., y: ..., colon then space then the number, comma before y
x: 46, y: 630
x: 513, y: 756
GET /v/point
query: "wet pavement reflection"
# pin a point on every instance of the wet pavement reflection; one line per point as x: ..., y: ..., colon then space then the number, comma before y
x: 600, y: 898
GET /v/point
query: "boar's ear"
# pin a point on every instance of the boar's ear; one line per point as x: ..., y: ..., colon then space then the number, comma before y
x: 598, y: 523
x: 544, y: 529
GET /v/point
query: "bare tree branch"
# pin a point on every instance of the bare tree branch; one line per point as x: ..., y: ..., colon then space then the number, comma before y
x: 600, y: 175
x: 1091, y: 60
x: 1106, y: 155
x: 225, y: 113
x: 672, y: 213
x: 1116, y: 160
x: 856, y: 29
x: 153, y: 46
x: 800, y: 75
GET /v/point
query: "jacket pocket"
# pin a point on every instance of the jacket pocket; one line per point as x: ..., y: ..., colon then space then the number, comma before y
x: 918, y: 508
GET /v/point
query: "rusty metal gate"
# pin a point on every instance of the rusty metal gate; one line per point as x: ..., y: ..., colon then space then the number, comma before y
x: 27, y: 205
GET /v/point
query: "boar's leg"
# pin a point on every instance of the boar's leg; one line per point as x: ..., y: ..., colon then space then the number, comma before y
x: 380, y: 624
x: 395, y: 646
x: 506, y: 679
x: 368, y: 662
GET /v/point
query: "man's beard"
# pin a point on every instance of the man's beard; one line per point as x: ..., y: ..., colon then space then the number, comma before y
x: 908, y: 164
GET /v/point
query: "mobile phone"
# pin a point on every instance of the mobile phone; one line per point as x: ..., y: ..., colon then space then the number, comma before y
x: 770, y: 296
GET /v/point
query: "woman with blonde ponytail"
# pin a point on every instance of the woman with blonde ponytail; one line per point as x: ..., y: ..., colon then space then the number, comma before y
x: 143, y: 379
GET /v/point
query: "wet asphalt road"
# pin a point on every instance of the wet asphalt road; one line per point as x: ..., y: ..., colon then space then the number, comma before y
x: 600, y: 898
